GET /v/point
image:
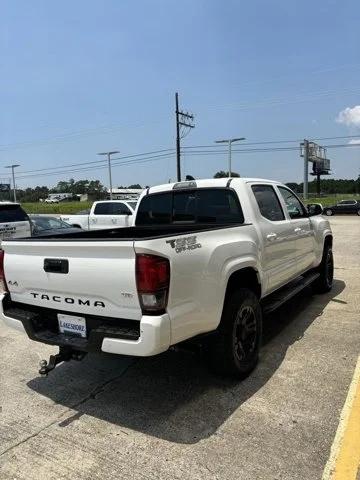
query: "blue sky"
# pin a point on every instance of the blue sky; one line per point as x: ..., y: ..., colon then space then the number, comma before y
x: 81, y: 77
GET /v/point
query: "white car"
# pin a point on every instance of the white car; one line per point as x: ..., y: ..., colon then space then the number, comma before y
x: 14, y: 221
x: 204, y: 260
x: 104, y: 214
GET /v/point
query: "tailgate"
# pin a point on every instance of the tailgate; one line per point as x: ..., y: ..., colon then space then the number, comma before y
x: 96, y: 278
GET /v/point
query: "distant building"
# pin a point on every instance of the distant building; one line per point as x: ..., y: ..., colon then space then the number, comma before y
x: 125, y: 193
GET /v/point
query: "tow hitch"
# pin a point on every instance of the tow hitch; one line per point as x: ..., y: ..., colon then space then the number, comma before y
x: 65, y: 355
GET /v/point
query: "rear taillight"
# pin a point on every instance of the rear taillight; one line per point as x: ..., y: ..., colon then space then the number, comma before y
x: 152, y: 281
x: 3, y: 286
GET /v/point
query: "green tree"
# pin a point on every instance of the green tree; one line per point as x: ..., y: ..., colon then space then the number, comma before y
x: 91, y: 187
x: 295, y: 187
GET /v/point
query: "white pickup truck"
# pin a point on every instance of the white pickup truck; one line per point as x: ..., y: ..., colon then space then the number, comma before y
x: 104, y: 214
x: 205, y: 259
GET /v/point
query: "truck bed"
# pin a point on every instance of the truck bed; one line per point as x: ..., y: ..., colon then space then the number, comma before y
x: 129, y: 233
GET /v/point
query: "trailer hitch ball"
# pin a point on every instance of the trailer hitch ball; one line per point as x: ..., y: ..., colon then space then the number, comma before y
x: 64, y: 355
x: 43, y: 365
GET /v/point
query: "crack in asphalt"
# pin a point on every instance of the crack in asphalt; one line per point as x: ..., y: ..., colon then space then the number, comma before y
x: 92, y: 395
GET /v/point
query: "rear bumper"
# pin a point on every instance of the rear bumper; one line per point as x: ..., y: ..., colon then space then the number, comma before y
x: 148, y: 337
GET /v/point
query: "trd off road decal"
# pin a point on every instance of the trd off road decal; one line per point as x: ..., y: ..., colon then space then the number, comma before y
x: 183, y: 244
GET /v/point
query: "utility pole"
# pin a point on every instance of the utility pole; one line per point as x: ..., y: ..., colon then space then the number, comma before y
x: 230, y: 141
x: 108, y: 154
x: 305, y: 144
x: 178, y: 166
x: 13, y: 178
x: 318, y: 184
x: 185, y: 120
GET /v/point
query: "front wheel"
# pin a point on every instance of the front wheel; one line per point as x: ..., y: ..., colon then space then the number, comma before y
x: 234, y: 351
x: 329, y: 212
x: 358, y: 212
x: 326, y: 269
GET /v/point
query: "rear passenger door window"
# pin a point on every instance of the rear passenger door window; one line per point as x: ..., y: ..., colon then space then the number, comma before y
x: 268, y: 202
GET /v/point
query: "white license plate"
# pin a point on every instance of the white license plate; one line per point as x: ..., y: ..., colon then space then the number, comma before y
x: 71, y: 325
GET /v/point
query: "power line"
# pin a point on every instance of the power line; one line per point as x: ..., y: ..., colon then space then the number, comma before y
x: 169, y: 152
x: 164, y: 156
x: 108, y: 129
x: 283, y: 101
x: 272, y: 149
x: 74, y: 135
x: 313, y: 72
x: 270, y: 142
x: 98, y: 161
x: 87, y: 169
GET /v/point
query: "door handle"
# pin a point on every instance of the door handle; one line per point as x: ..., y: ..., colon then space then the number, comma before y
x: 271, y: 237
x: 297, y: 230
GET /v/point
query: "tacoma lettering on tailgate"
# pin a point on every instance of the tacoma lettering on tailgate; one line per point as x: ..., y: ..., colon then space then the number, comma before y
x: 70, y: 300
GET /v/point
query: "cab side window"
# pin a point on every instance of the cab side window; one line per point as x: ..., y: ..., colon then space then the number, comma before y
x: 294, y: 207
x: 268, y: 202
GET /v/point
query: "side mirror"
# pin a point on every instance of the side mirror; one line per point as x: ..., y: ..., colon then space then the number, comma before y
x: 314, y: 209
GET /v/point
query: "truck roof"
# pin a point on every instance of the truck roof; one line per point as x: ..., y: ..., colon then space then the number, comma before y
x: 210, y: 182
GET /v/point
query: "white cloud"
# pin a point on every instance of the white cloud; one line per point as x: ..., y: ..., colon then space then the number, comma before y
x: 354, y: 141
x: 350, y: 116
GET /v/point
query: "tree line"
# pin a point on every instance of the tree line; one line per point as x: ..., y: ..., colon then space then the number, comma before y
x: 94, y: 188
x: 329, y: 186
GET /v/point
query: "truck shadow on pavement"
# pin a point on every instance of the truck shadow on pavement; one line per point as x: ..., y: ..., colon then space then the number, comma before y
x: 173, y: 396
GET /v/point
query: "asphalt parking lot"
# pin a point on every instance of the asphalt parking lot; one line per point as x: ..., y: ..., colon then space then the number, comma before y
x: 167, y: 417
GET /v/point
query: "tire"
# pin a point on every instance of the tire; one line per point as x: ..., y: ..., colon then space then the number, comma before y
x: 328, y: 212
x: 326, y: 269
x: 234, y: 350
x: 358, y: 212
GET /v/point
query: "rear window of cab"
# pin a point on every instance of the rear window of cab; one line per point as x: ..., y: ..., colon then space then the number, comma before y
x: 219, y: 206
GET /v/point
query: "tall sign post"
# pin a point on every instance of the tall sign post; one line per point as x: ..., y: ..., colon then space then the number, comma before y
x: 316, y: 154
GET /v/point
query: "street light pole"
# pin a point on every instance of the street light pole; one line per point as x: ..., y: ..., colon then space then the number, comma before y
x: 13, y: 178
x: 108, y: 154
x: 230, y: 141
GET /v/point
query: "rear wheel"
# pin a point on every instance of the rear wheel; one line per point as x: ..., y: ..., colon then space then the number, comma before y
x: 326, y: 269
x: 234, y: 351
x: 358, y: 212
x: 329, y: 212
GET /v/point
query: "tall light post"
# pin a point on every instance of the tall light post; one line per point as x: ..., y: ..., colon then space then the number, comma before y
x: 108, y: 154
x: 13, y: 178
x: 230, y: 141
